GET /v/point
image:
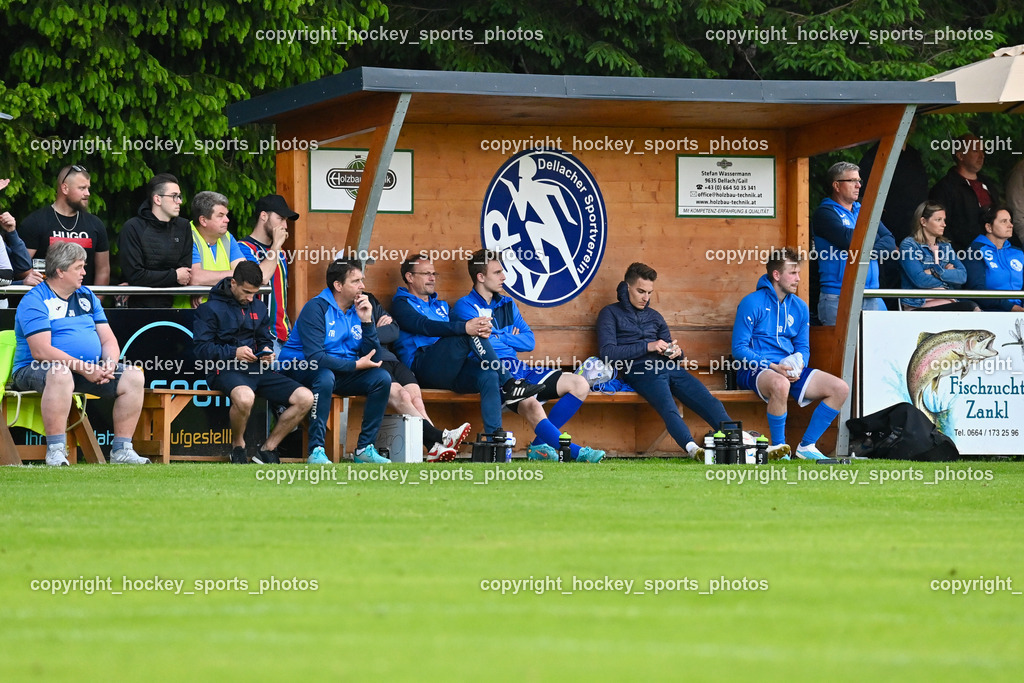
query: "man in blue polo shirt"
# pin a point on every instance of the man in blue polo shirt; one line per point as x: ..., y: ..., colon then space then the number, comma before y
x: 64, y: 345
x: 330, y: 350
x: 832, y: 224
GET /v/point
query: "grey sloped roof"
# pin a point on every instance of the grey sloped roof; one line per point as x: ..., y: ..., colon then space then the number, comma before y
x: 547, y: 98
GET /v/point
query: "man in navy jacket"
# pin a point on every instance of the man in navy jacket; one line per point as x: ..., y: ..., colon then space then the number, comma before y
x: 330, y: 349
x: 634, y: 338
x: 234, y: 343
x: 770, y: 342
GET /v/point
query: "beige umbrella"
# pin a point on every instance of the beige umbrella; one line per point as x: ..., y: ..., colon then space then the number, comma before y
x: 995, y: 84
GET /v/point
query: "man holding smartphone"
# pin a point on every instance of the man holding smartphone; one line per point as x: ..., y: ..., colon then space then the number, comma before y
x: 234, y: 345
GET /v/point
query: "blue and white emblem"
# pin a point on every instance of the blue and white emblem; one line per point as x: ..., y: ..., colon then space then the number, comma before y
x: 545, y: 213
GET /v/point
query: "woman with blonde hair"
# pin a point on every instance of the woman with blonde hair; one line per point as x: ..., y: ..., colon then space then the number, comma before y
x: 928, y: 261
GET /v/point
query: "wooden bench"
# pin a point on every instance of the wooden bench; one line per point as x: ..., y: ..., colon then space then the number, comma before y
x: 160, y: 407
x: 624, y: 398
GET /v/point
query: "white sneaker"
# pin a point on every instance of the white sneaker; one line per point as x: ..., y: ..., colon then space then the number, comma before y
x: 453, y: 438
x: 441, y: 453
x: 127, y: 456
x: 57, y: 456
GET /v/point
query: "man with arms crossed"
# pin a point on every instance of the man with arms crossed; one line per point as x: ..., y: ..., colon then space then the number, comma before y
x: 510, y: 333
x: 770, y: 339
x: 64, y: 345
x: 232, y: 335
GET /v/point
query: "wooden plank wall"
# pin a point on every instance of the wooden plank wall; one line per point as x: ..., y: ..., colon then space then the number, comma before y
x: 697, y: 295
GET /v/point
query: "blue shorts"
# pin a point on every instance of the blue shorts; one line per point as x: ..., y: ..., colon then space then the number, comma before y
x: 747, y: 379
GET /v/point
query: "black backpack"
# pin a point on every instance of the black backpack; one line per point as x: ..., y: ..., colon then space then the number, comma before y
x: 900, y: 432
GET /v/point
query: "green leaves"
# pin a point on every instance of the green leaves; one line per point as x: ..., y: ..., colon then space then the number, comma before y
x: 74, y: 73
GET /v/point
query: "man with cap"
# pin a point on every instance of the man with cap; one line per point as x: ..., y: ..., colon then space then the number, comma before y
x: 263, y: 246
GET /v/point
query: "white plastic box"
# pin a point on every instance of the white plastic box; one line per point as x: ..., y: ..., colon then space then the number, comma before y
x: 402, y: 435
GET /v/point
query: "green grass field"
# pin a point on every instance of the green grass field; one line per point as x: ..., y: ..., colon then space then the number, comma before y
x: 839, y: 575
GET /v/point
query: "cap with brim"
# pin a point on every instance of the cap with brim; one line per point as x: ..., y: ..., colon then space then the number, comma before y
x: 275, y: 203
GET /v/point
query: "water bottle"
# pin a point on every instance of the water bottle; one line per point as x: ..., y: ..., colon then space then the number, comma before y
x: 497, y: 453
x: 510, y: 442
x: 721, y: 455
x: 709, y: 448
x: 761, y: 455
x: 564, y: 449
x: 730, y: 374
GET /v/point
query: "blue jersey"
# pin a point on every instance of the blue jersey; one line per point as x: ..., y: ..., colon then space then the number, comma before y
x: 71, y: 323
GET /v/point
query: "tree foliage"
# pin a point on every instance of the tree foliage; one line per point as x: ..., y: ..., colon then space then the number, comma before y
x: 101, y: 73
x: 896, y: 40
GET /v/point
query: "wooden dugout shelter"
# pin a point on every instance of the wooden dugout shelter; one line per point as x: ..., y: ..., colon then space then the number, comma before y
x: 445, y: 117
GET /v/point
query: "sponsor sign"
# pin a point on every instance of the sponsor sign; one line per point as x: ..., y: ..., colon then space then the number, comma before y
x: 964, y: 371
x: 725, y: 186
x: 335, y: 175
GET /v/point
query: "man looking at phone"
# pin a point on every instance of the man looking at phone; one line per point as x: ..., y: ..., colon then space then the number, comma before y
x: 234, y: 343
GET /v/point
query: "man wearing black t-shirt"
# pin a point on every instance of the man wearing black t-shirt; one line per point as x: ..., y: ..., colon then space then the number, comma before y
x: 68, y: 220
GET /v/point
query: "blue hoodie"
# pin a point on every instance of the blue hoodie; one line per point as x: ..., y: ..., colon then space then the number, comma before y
x: 505, y: 315
x: 767, y: 330
x: 623, y: 331
x: 421, y: 323
x: 991, y: 268
x: 332, y: 338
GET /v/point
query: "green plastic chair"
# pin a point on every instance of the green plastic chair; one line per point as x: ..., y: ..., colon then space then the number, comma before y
x: 27, y: 406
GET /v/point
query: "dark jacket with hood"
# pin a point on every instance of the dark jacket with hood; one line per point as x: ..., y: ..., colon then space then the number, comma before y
x: 222, y: 325
x: 623, y: 331
x: 151, y: 250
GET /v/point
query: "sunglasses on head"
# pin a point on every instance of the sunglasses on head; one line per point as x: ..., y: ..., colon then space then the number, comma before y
x: 74, y: 168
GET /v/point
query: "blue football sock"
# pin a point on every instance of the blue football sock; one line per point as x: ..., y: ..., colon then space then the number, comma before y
x: 561, y: 413
x: 777, y: 427
x: 56, y: 439
x: 120, y: 443
x: 563, y: 410
x: 548, y: 433
x: 821, y: 418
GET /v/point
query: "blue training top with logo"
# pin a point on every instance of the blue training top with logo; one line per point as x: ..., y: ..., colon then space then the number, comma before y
x: 71, y: 323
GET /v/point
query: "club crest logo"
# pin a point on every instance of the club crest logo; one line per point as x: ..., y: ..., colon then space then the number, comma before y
x: 545, y: 213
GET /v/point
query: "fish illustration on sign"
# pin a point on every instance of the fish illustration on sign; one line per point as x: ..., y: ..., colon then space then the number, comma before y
x: 941, y: 355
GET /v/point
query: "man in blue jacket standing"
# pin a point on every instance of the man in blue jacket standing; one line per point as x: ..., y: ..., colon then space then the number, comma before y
x: 832, y: 224
x: 330, y: 349
x: 771, y: 343
x: 634, y: 338
x: 451, y: 354
x: 510, y: 334
x: 233, y: 341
